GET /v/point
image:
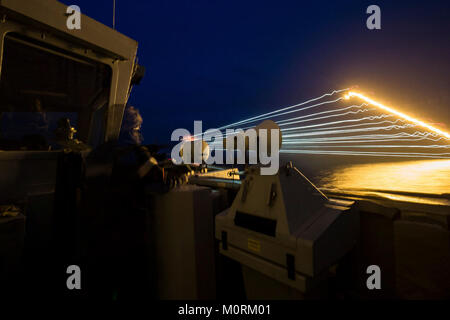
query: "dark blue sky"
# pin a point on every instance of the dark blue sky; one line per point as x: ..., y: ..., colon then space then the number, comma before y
x: 222, y: 61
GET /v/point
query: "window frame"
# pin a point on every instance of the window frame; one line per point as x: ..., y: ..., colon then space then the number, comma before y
x: 70, y: 50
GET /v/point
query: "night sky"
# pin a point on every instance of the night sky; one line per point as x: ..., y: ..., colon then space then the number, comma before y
x: 223, y: 61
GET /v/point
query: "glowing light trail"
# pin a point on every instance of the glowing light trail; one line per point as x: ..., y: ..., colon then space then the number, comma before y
x: 375, y: 154
x: 286, y: 108
x: 435, y: 146
x: 397, y: 113
x: 382, y: 136
x: 371, y: 118
x: 370, y: 129
x: 304, y: 141
x: 317, y: 138
x: 341, y: 127
x: 284, y: 113
x: 323, y: 112
x: 319, y: 133
x: 325, y: 117
x: 325, y: 124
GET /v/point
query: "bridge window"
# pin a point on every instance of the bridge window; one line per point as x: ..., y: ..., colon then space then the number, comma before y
x: 40, y: 86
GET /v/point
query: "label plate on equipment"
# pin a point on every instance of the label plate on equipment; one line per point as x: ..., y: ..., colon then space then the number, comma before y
x: 254, y: 245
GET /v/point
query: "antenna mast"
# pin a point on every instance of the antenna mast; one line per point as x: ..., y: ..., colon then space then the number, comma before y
x: 114, y: 14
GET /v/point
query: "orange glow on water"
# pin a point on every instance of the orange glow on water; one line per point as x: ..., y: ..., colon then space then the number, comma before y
x: 430, y: 176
